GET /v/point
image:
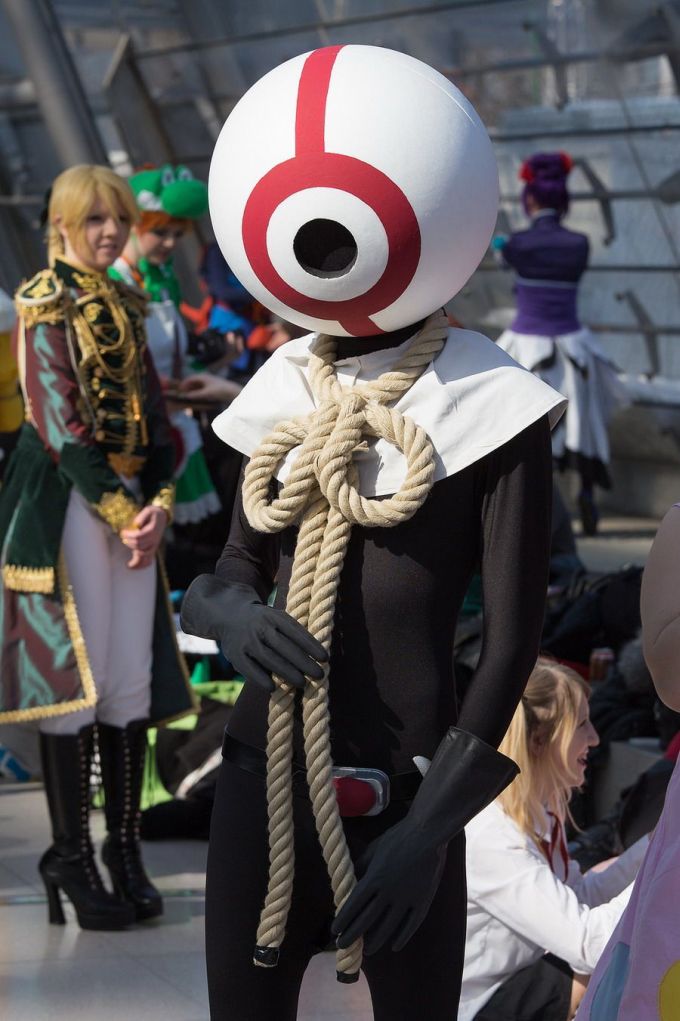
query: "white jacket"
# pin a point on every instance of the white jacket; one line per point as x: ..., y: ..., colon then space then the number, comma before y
x: 519, y: 909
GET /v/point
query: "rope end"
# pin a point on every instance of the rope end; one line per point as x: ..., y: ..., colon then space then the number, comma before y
x: 266, y: 957
x: 347, y: 977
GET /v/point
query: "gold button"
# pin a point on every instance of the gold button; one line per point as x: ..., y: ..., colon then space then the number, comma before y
x: 100, y: 435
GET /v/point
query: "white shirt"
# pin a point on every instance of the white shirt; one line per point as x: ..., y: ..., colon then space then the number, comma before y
x: 519, y: 908
x: 166, y: 333
x: 470, y: 400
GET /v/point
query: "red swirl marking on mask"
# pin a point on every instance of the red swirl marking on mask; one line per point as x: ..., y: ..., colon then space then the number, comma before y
x: 310, y: 113
x: 314, y: 167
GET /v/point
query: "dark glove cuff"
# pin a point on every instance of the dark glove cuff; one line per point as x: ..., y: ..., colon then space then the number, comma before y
x: 209, y: 602
x: 465, y: 776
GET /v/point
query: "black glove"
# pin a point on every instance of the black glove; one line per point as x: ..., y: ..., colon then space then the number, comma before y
x: 257, y: 639
x: 401, y: 870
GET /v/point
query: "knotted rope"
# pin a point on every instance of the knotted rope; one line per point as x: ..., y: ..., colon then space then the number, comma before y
x: 321, y: 493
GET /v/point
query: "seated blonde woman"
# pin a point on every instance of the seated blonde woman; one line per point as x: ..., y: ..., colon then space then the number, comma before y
x: 535, y: 925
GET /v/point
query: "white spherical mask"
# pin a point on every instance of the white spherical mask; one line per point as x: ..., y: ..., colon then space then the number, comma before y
x: 353, y: 190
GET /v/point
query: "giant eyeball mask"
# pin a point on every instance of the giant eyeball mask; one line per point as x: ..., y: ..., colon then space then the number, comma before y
x: 353, y: 190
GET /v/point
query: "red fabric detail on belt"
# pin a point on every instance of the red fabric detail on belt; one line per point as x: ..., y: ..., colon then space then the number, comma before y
x: 355, y: 797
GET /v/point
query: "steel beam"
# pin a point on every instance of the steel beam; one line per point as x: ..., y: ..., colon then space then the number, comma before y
x: 317, y: 26
x: 601, y: 268
x: 58, y: 89
x: 506, y: 137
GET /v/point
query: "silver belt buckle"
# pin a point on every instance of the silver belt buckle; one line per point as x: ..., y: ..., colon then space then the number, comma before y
x: 375, y: 778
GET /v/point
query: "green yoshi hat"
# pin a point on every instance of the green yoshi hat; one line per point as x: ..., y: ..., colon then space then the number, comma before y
x: 171, y: 190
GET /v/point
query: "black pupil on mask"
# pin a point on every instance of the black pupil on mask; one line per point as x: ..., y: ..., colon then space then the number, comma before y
x: 325, y: 248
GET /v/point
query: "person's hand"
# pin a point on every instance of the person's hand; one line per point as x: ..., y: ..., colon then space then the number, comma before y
x: 257, y: 639
x: 234, y: 343
x: 399, y: 878
x: 144, y: 536
x: 138, y: 560
x: 401, y: 870
x: 602, y: 866
x: 208, y: 387
x: 279, y: 336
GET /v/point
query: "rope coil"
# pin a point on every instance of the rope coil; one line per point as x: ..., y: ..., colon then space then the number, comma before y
x: 322, y: 495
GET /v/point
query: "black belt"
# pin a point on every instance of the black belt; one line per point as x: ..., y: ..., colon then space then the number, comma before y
x: 403, y: 786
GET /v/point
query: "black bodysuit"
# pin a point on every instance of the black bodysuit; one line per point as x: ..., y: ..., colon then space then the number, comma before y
x: 392, y: 696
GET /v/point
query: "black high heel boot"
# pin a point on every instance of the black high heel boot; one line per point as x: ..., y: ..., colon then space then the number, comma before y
x: 588, y: 510
x: 69, y: 864
x: 122, y: 750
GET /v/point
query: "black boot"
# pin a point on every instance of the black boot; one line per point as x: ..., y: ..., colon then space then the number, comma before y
x: 122, y: 751
x: 69, y: 864
x: 588, y: 510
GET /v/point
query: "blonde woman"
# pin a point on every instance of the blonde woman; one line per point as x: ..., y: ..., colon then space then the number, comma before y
x: 535, y: 925
x: 86, y: 637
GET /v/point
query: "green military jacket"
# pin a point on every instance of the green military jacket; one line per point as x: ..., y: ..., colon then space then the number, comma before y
x: 94, y: 413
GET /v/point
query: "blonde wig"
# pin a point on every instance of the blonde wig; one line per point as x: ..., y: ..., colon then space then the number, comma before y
x: 74, y: 192
x: 538, y: 739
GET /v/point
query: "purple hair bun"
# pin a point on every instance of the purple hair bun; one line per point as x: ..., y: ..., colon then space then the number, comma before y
x: 545, y: 176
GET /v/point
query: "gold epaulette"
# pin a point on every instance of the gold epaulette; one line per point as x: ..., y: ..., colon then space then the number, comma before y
x: 41, y: 299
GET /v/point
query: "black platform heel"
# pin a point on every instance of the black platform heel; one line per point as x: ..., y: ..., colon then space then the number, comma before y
x: 55, y: 912
x: 588, y: 511
x: 122, y: 751
x: 69, y: 864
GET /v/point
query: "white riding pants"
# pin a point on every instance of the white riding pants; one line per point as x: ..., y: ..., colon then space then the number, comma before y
x: 116, y: 611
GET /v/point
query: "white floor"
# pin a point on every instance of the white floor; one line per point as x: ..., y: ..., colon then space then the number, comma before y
x: 152, y: 973
x: 619, y: 541
x: 156, y: 972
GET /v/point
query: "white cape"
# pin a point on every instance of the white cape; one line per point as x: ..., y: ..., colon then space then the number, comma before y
x: 470, y: 400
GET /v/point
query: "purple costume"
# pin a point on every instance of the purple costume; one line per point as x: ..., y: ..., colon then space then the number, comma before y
x: 547, y: 337
x: 549, y: 261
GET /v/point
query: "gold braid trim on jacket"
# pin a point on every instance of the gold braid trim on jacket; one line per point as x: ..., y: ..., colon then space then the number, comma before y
x: 117, y: 509
x: 165, y: 499
x: 132, y: 297
x: 28, y: 579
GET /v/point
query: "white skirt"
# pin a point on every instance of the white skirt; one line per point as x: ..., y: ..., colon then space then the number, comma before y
x: 576, y: 365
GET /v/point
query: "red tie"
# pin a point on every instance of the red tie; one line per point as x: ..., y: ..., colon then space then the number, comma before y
x: 557, y: 841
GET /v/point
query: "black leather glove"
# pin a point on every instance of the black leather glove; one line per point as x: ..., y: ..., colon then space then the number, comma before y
x: 401, y: 870
x: 258, y: 640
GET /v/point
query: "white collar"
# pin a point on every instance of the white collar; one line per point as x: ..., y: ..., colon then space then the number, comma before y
x: 470, y: 400
x: 539, y: 214
x: 373, y: 363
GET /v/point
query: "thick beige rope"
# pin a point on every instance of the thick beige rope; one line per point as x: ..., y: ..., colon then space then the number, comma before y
x: 321, y: 493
